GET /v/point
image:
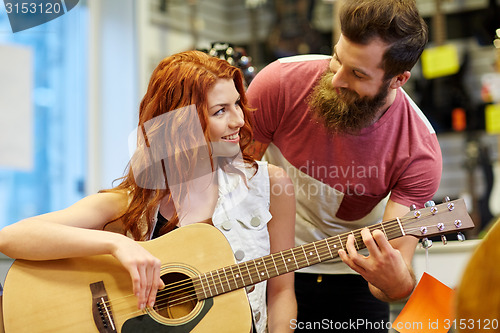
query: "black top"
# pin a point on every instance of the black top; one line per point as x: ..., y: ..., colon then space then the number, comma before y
x: 160, y: 223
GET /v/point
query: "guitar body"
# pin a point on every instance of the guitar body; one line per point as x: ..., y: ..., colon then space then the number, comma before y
x: 55, y: 296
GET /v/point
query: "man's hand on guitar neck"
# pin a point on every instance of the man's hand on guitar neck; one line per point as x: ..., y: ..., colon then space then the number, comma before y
x: 387, y: 268
x: 384, y: 268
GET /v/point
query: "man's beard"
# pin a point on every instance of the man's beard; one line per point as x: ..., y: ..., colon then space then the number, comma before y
x: 346, y: 111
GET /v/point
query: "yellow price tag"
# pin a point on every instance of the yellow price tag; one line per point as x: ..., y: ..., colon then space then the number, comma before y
x: 440, y: 61
x: 492, y: 117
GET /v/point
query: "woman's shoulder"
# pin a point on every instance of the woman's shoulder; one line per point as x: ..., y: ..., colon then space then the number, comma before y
x: 278, y: 175
x: 111, y: 203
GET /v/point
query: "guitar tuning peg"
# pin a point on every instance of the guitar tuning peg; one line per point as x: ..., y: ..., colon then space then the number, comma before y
x: 446, y: 199
x: 444, y: 240
x: 430, y: 203
x: 413, y: 207
x: 460, y: 237
x: 426, y: 243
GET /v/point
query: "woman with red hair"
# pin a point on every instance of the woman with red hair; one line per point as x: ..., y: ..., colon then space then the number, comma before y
x: 189, y: 166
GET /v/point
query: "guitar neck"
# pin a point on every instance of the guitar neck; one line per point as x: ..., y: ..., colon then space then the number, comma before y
x: 421, y: 223
x: 425, y: 222
x: 257, y: 270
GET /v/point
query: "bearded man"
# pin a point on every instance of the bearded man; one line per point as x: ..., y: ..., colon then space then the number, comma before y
x: 359, y: 151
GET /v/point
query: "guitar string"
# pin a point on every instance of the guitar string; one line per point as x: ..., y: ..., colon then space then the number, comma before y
x: 322, y: 249
x: 231, y: 268
x: 390, y: 225
x: 192, y: 296
x: 186, y: 298
x: 162, y: 304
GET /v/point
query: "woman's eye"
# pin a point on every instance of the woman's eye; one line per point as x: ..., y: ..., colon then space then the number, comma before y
x: 219, y: 112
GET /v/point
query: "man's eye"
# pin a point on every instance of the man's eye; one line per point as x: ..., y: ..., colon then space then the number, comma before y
x: 359, y: 76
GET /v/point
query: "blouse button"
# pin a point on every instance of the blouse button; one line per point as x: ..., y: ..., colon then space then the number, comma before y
x: 257, y: 316
x: 227, y: 225
x: 255, y: 221
x: 239, y: 255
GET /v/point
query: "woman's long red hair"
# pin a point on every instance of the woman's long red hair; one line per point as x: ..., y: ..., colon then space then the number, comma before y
x: 179, y: 81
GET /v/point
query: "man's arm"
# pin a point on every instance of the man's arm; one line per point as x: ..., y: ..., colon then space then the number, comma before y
x: 257, y: 149
x: 387, y: 268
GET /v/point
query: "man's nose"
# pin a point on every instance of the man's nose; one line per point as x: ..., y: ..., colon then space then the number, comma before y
x: 338, y: 80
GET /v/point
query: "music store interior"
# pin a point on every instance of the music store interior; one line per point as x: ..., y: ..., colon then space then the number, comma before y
x: 85, y: 73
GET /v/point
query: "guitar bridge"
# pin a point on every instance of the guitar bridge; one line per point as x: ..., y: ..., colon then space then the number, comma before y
x: 101, y: 308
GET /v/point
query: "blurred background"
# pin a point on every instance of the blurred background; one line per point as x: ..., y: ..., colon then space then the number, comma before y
x: 70, y: 88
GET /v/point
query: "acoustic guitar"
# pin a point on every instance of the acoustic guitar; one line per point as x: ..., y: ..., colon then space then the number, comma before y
x: 204, y: 286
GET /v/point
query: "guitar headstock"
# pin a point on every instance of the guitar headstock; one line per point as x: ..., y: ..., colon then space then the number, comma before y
x: 451, y: 216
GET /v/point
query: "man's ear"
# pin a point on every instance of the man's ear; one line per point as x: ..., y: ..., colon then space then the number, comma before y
x: 399, y: 80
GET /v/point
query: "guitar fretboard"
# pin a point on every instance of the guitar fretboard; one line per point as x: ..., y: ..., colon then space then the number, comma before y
x: 254, y: 271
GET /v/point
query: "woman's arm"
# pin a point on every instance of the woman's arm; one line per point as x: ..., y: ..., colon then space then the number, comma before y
x: 76, y: 232
x: 282, y: 305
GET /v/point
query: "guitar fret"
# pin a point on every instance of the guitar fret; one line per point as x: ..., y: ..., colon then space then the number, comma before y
x: 220, y: 281
x: 355, y: 241
x: 383, y: 229
x: 257, y: 270
x: 240, y: 275
x: 284, y: 261
x: 400, y: 226
x: 215, y: 285
x: 225, y: 274
x: 340, y: 240
x: 294, y: 259
x: 208, y: 285
x: 305, y: 255
x: 249, y: 273
x: 265, y: 267
x: 312, y: 253
x: 328, y: 246
x: 274, y: 263
x: 317, y: 253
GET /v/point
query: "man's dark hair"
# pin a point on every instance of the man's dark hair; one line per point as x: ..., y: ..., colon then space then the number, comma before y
x: 396, y: 22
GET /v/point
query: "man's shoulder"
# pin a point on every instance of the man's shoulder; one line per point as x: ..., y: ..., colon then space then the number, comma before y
x: 307, y: 62
x: 415, y: 112
x: 304, y: 58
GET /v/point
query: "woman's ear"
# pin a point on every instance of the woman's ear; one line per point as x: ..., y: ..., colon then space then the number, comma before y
x: 399, y: 80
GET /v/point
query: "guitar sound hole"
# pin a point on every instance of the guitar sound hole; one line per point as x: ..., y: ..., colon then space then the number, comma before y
x: 178, y: 298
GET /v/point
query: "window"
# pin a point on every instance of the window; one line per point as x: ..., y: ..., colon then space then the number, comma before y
x: 59, y: 53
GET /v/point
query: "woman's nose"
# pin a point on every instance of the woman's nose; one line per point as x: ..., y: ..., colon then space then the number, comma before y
x: 237, y: 118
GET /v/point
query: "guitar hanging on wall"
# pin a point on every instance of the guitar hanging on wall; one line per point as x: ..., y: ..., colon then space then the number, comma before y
x: 293, y: 32
x: 444, y: 97
x: 204, y: 289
